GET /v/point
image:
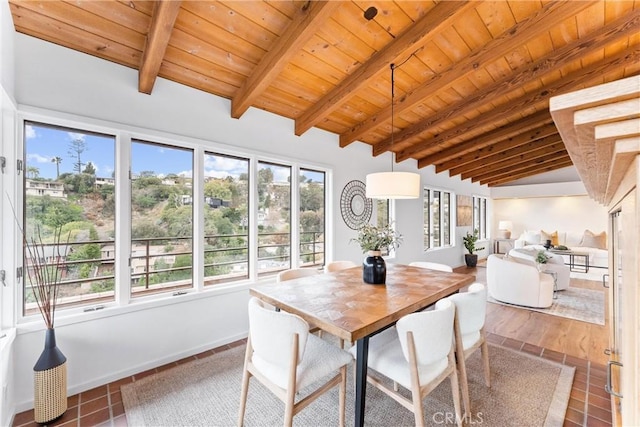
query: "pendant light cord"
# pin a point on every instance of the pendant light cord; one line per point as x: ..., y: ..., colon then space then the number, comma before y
x: 393, y: 95
x: 393, y: 92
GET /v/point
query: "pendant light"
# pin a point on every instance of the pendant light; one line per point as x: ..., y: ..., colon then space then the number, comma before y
x: 393, y: 185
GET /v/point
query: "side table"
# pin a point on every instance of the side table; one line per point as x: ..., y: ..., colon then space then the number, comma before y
x: 508, y: 243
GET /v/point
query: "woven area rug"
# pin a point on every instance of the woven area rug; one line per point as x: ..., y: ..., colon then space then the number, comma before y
x: 586, y: 305
x: 525, y: 391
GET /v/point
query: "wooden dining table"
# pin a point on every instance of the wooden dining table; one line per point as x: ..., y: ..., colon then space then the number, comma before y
x: 342, y: 304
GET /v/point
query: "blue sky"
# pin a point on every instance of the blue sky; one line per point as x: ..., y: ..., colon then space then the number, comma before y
x: 43, y: 143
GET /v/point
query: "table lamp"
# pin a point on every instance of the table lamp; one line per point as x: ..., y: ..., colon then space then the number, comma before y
x: 504, y: 229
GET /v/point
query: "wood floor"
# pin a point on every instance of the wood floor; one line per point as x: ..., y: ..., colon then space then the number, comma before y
x: 580, y: 339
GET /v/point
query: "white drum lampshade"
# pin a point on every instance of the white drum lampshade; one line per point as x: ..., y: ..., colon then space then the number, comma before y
x: 504, y: 229
x: 393, y: 185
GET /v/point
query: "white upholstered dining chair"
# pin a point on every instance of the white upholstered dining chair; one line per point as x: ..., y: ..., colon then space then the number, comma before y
x: 432, y: 265
x: 286, y: 358
x: 419, y: 357
x: 471, y: 308
x: 338, y: 265
x: 295, y: 273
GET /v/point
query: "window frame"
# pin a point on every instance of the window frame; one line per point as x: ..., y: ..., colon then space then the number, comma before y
x: 480, y: 219
x: 428, y: 238
x: 124, y: 134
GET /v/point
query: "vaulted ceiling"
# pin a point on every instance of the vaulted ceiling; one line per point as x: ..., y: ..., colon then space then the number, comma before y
x: 472, y: 79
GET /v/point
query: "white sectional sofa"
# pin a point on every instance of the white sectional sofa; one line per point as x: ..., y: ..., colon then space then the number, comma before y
x: 595, y: 244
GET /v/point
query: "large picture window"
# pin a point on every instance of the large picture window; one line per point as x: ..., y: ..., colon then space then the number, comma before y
x: 69, y: 190
x: 437, y: 209
x: 274, y: 218
x: 226, y: 218
x: 161, y: 218
x: 189, y: 218
x: 480, y: 217
x: 311, y: 196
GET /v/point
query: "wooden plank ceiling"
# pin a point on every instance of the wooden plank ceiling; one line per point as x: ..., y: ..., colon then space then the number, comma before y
x: 472, y: 83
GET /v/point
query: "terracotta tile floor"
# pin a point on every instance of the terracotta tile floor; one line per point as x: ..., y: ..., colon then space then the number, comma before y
x: 589, y: 404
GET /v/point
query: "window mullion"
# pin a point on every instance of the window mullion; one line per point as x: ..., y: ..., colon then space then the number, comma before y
x: 198, y: 220
x: 253, y: 219
x: 294, y: 216
x: 123, y: 216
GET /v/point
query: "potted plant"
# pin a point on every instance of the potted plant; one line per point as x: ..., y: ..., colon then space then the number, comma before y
x: 469, y: 241
x: 372, y: 241
x: 541, y: 259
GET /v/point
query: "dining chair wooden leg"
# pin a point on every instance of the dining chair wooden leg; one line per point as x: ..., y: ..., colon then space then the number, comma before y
x: 484, y: 349
x: 416, y: 392
x: 343, y: 395
x: 461, y: 365
x: 246, y: 375
x: 455, y: 391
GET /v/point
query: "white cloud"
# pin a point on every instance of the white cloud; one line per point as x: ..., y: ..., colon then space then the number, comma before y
x: 222, y: 167
x: 30, y: 132
x: 37, y: 158
x: 75, y: 136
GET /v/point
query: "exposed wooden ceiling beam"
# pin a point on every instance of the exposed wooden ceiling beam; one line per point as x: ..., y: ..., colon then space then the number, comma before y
x: 546, y: 160
x: 507, y: 131
x: 546, y: 18
x: 578, y: 79
x: 530, y: 171
x: 523, y: 169
x: 303, y: 26
x: 473, y: 151
x: 541, y: 146
x: 616, y: 30
x: 437, y: 18
x: 542, y: 154
x: 162, y: 21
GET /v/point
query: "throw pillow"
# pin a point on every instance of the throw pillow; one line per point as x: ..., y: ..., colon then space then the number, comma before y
x: 532, y: 237
x: 591, y: 240
x: 544, y: 236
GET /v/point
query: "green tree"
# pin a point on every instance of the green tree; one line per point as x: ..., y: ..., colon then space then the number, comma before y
x: 222, y: 189
x: 147, y: 230
x: 57, y: 160
x: 89, y: 169
x: 311, y: 197
x: 33, y: 172
x: 52, y: 212
x: 77, y: 146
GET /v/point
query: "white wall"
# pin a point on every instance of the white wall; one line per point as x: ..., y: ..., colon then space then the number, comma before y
x: 6, y: 48
x: 112, y: 344
x: 7, y: 116
x: 561, y: 213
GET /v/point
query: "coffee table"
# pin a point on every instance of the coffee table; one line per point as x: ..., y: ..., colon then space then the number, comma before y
x: 573, y: 257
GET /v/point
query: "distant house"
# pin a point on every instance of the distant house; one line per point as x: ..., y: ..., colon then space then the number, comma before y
x: 213, y: 202
x: 100, y: 182
x: 45, y: 188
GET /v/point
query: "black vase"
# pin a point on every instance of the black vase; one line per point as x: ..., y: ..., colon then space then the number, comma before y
x: 547, y: 244
x: 50, y: 382
x: 374, y: 269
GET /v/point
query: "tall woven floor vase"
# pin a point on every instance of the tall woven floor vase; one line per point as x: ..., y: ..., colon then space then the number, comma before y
x: 50, y: 382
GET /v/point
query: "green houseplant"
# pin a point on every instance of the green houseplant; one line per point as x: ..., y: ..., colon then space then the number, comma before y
x: 469, y: 240
x: 372, y: 241
x: 372, y: 238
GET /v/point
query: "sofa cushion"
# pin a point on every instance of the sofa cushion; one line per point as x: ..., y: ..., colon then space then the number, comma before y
x: 532, y: 237
x: 591, y: 240
x: 572, y: 239
x: 544, y: 236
